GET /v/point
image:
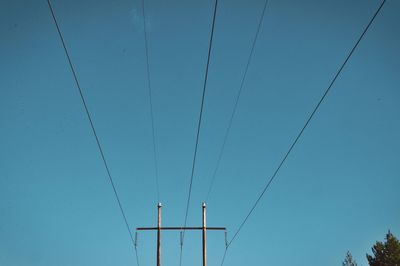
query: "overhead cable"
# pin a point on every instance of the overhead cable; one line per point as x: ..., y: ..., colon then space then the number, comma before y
x: 304, y: 127
x: 221, y: 152
x: 151, y: 103
x: 91, y: 123
x: 199, y: 122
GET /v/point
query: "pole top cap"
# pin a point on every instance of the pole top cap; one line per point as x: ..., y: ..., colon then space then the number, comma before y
x: 203, y: 204
x: 159, y: 205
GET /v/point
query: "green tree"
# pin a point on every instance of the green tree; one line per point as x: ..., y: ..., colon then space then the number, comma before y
x: 349, y: 261
x: 387, y: 253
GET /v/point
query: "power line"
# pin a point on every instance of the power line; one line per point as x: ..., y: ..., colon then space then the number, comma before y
x: 150, y: 101
x: 223, y: 258
x: 236, y: 103
x: 91, y: 123
x: 199, y: 123
x: 303, y: 128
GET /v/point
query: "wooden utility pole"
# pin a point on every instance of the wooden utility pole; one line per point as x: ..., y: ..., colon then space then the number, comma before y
x: 204, y: 235
x: 203, y: 228
x: 159, y: 235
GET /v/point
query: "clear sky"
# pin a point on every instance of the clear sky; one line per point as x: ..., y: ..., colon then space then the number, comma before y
x: 338, y: 191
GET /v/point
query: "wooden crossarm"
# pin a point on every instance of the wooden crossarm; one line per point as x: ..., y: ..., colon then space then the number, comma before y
x: 179, y: 228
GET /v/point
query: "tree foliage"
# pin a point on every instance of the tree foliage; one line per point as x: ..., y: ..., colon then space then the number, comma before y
x: 349, y: 261
x: 387, y: 253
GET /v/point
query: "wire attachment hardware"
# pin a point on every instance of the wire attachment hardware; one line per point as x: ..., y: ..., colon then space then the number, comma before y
x: 135, y: 243
x: 181, y: 238
x: 226, y: 239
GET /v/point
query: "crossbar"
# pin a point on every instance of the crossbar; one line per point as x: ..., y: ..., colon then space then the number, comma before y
x: 179, y: 228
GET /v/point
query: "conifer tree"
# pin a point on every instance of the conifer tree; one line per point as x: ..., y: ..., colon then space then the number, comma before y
x: 387, y: 253
x: 349, y: 261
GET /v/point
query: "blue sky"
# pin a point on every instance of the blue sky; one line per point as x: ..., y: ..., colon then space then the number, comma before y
x: 338, y: 190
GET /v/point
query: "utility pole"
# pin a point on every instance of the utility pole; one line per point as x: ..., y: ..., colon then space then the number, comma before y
x: 159, y: 235
x: 204, y: 234
x: 203, y: 228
